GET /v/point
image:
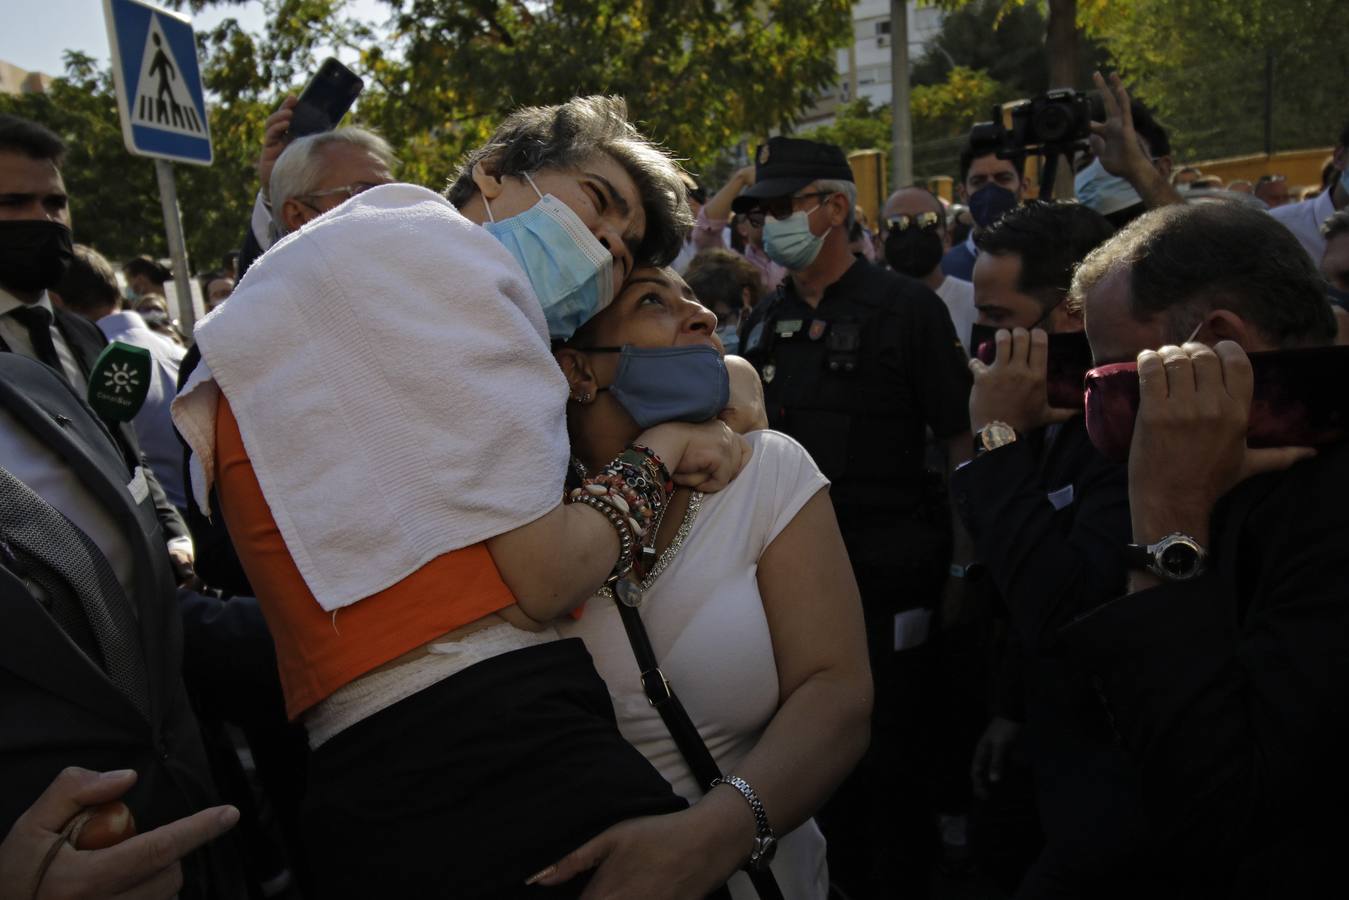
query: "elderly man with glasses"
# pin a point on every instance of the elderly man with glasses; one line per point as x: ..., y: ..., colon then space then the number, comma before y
x: 858, y: 363
x: 318, y: 172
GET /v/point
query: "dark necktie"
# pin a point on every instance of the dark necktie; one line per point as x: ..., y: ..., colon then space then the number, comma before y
x: 38, y: 321
x: 81, y: 591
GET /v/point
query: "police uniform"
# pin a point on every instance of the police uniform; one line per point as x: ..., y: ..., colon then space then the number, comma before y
x: 859, y: 380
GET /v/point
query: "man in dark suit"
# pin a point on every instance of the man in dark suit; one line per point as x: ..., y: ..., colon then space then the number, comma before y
x: 1047, y: 515
x: 1225, y: 667
x: 35, y: 248
x: 90, y: 638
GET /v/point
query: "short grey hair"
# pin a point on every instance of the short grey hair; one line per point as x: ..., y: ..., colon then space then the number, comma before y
x: 564, y: 137
x: 847, y: 189
x: 299, y: 170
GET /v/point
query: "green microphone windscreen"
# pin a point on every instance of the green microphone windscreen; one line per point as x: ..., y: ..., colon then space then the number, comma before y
x: 119, y: 381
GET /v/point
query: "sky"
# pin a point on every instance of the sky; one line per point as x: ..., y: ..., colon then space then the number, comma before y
x: 36, y: 33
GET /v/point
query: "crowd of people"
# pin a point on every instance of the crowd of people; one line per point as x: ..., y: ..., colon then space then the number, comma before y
x: 575, y: 531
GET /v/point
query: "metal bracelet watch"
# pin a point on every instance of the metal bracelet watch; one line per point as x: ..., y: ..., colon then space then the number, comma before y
x: 765, y: 842
x: 992, y: 436
x: 1176, y: 557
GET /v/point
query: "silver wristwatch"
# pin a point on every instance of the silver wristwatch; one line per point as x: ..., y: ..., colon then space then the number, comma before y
x: 765, y: 842
x: 1176, y: 557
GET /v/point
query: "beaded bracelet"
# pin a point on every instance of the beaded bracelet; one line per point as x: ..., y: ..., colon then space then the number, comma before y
x: 627, y: 540
x: 661, y: 471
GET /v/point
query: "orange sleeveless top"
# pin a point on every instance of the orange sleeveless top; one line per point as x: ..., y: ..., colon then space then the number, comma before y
x: 316, y: 651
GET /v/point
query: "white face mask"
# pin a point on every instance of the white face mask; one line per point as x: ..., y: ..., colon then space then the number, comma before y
x: 571, y: 272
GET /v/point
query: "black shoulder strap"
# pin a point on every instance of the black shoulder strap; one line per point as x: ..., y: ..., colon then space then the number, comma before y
x: 660, y: 694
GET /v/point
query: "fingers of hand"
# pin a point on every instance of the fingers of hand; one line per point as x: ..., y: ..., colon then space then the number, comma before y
x: 1039, y: 351
x: 129, y: 863
x: 72, y: 791
x: 1273, y: 459
x: 1122, y: 98
x: 978, y: 367
x: 1237, y: 374
x: 1002, y: 343
x: 1179, y: 370
x: 1020, y: 346
x: 1152, y: 387
x: 583, y: 858
x: 1107, y: 96
x: 1208, y: 368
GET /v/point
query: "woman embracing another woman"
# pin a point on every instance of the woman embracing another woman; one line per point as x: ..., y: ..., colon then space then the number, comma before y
x: 751, y: 612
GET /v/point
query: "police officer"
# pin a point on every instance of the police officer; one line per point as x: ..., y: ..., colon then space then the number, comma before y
x: 858, y: 364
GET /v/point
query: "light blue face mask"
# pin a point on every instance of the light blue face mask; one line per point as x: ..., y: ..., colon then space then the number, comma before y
x: 1097, y: 189
x: 789, y: 242
x: 668, y: 384
x: 1344, y: 178
x: 729, y: 339
x: 571, y: 272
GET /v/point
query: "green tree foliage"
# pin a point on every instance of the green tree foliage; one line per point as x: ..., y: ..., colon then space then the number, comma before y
x: 1201, y: 64
x: 697, y: 75
x: 115, y: 196
x: 440, y: 74
x: 1005, y: 40
x: 941, y: 115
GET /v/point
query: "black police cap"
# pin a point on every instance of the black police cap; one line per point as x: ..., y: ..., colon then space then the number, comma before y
x: 785, y: 165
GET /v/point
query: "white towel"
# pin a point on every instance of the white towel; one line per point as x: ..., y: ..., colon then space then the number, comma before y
x: 389, y: 369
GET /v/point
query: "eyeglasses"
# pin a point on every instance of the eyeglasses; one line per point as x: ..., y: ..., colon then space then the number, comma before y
x: 347, y: 191
x: 923, y: 221
x: 782, y: 207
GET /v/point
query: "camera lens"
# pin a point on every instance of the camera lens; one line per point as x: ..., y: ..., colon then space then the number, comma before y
x: 1054, y: 123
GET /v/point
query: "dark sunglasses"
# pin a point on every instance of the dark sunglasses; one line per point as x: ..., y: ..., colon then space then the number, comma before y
x: 924, y: 221
x: 782, y: 207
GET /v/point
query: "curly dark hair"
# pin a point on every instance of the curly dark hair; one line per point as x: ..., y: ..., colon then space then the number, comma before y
x: 1051, y: 239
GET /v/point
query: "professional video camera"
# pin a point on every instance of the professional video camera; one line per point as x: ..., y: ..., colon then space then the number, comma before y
x: 1056, y: 123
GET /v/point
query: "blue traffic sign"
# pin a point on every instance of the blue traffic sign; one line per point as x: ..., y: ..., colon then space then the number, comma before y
x: 159, y: 88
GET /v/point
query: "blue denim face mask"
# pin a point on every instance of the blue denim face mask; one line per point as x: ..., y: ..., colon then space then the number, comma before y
x: 668, y: 384
x: 570, y: 270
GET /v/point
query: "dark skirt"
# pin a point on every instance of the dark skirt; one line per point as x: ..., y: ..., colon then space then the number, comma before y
x: 470, y: 786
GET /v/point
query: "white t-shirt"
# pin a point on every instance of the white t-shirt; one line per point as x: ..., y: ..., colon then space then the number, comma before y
x: 710, y: 635
x: 958, y: 295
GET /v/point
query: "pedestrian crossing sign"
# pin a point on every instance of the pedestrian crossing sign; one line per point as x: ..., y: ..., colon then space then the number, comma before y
x: 159, y: 89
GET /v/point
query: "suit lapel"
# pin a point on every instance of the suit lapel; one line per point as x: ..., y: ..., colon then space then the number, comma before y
x: 78, y: 443
x: 37, y: 650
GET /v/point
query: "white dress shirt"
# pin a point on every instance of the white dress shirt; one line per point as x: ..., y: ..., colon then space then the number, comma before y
x: 1304, y: 219
x: 47, y: 475
x: 15, y: 335
x: 153, y: 424
x: 958, y: 295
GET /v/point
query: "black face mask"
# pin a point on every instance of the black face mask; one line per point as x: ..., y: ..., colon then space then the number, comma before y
x: 34, y: 254
x: 914, y: 251
x: 981, y: 334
